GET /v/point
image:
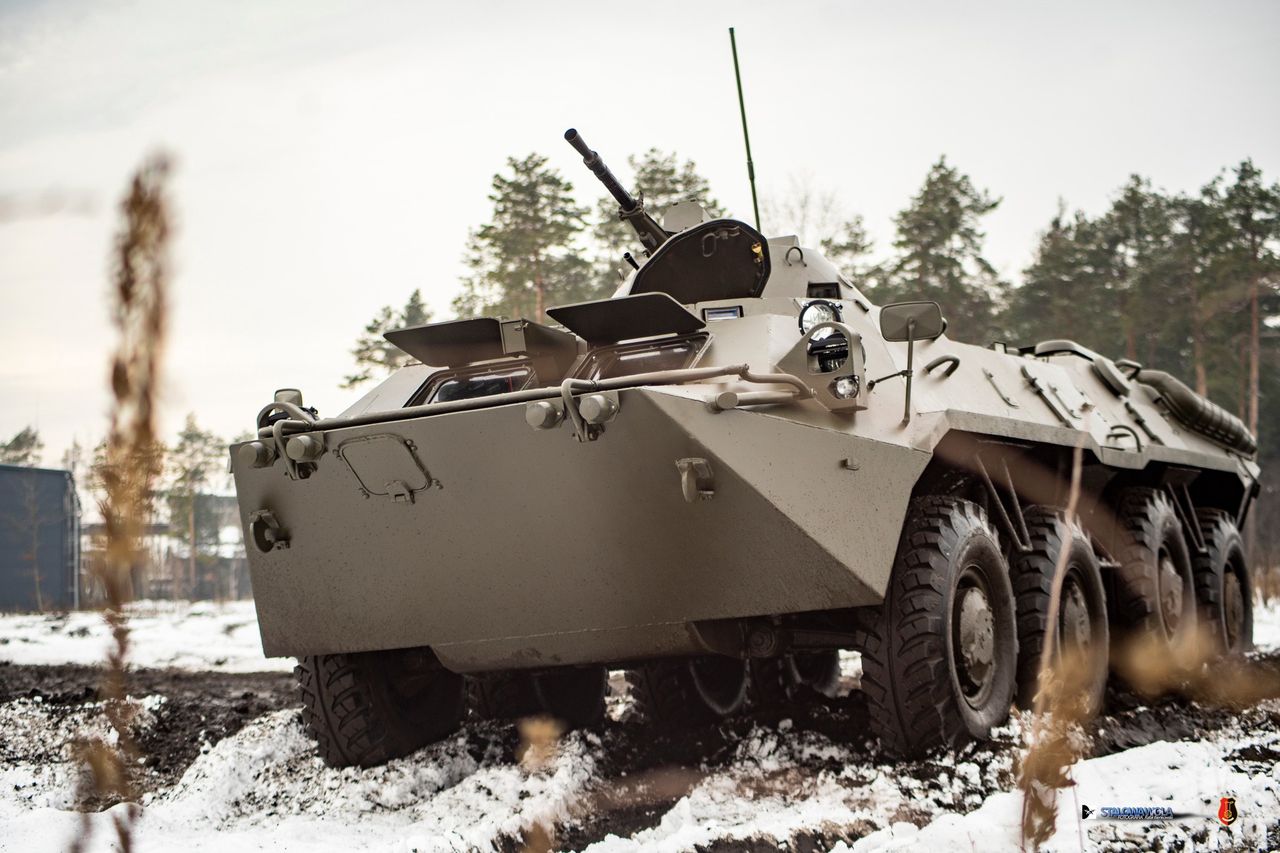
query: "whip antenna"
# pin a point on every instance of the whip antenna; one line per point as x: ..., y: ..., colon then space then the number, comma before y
x: 742, y: 107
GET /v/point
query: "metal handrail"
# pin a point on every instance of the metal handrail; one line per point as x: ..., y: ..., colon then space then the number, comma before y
x: 660, y: 377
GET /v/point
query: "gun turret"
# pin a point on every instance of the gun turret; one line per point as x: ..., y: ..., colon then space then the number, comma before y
x: 630, y: 209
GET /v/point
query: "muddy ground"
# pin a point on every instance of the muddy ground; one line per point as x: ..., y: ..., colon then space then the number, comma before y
x: 644, y: 772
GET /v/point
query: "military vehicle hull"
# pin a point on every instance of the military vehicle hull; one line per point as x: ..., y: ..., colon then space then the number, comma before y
x: 719, y: 477
x: 530, y: 549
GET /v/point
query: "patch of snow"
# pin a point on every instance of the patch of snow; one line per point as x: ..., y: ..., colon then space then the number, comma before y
x: 37, y: 769
x: 265, y: 788
x: 185, y: 635
x: 1188, y: 777
x: 1266, y: 625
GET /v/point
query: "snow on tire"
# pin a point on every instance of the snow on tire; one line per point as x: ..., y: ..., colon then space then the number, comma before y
x: 939, y: 655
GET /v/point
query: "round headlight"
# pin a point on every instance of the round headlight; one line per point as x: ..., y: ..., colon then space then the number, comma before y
x: 846, y: 387
x: 816, y: 312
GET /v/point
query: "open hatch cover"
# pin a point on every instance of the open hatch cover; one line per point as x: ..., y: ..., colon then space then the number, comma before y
x: 625, y: 318
x: 719, y: 259
x: 460, y: 342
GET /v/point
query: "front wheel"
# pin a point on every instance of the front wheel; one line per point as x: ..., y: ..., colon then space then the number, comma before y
x: 939, y: 656
x: 366, y: 708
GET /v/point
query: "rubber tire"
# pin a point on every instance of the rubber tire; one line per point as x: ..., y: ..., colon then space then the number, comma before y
x: 678, y: 693
x: 573, y: 695
x: 1032, y: 577
x: 364, y: 709
x: 1146, y: 521
x: 1225, y: 551
x: 909, y: 677
x: 506, y: 695
x: 795, y: 677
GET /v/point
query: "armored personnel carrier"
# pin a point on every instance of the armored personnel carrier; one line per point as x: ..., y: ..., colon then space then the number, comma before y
x: 716, y: 479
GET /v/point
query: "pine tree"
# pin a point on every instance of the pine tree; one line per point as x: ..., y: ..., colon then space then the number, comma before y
x: 373, y: 353
x: 525, y: 258
x: 1065, y: 291
x: 662, y: 179
x: 1136, y: 232
x: 939, y: 254
x: 193, y: 462
x: 25, y: 448
x: 1253, y: 209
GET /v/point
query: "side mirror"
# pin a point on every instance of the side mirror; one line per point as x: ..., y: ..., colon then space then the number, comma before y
x: 911, y: 321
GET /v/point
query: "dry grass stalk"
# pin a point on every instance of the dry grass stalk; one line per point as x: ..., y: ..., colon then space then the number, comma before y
x: 1055, y: 740
x: 130, y: 468
x: 539, y: 744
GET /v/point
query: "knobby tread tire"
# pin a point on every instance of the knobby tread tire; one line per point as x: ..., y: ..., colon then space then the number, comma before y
x: 1032, y: 576
x: 1225, y: 552
x: 771, y: 683
x: 351, y: 705
x: 666, y: 694
x: 1145, y: 519
x: 905, y: 644
x: 504, y: 695
x: 780, y: 681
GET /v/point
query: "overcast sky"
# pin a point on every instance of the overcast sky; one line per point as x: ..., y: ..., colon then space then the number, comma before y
x: 332, y: 156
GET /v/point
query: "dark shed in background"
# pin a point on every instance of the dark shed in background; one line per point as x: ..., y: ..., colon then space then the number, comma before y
x: 39, y: 539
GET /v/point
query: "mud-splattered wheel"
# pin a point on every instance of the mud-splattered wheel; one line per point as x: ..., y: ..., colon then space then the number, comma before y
x: 939, y: 656
x: 795, y: 677
x: 1155, y: 591
x: 1223, y: 585
x: 574, y: 695
x: 1082, y: 633
x: 692, y: 691
x: 367, y: 708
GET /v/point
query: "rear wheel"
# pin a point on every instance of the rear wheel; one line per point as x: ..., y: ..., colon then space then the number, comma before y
x: 1155, y: 592
x: 574, y: 695
x: 692, y: 691
x: 367, y: 708
x: 939, y: 656
x: 795, y: 677
x: 1223, y: 590
x: 1082, y: 635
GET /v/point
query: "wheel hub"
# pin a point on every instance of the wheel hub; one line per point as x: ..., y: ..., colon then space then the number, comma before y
x: 1170, y: 594
x: 977, y: 637
x: 1074, y: 624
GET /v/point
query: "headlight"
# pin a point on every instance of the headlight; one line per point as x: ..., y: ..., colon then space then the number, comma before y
x: 817, y: 312
x: 846, y: 387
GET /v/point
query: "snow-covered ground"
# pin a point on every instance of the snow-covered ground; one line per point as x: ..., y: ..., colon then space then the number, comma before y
x: 263, y: 788
x: 195, y: 636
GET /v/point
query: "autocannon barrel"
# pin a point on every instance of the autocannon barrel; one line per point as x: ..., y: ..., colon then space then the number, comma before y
x: 596, y: 165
